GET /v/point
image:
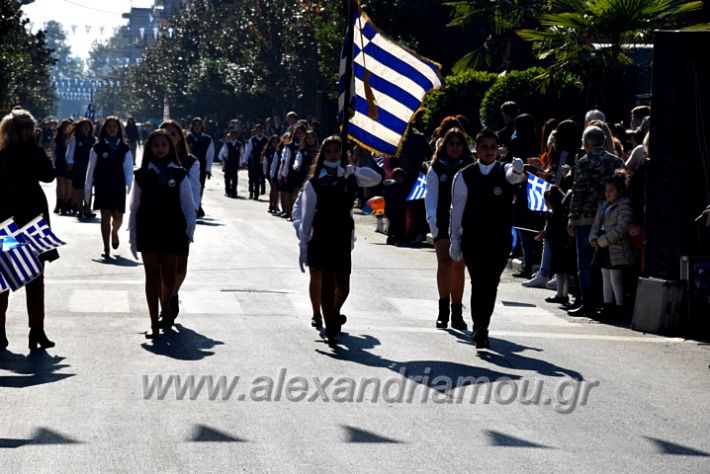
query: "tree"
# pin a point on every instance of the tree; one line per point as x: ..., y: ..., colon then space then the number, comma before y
x: 25, y: 61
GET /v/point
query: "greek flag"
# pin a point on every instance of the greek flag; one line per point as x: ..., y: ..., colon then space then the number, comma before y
x: 8, y: 228
x: 18, y: 264
x: 419, y: 189
x: 536, y: 188
x: 39, y: 236
x: 387, y: 87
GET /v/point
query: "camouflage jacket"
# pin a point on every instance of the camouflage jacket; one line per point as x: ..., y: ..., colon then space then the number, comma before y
x: 588, y: 189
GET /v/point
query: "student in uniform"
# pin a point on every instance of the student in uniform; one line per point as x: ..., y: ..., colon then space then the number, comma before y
x: 452, y: 155
x: 190, y: 163
x: 268, y: 156
x: 202, y: 146
x: 231, y: 157
x: 161, y: 224
x: 78, y: 151
x: 252, y: 157
x: 305, y: 158
x: 287, y: 175
x: 110, y: 171
x: 59, y: 160
x: 23, y: 166
x: 275, y: 172
x: 481, y: 226
x: 327, y: 227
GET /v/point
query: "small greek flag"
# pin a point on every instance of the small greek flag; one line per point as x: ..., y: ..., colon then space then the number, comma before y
x: 39, y: 236
x: 8, y: 228
x: 388, y: 85
x: 536, y: 189
x: 18, y: 264
x: 419, y: 189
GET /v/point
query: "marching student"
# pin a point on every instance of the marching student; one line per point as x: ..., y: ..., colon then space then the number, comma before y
x: 80, y: 144
x: 305, y: 158
x: 190, y: 163
x: 231, y: 156
x: 202, y: 146
x: 267, y: 159
x: 110, y: 170
x: 23, y: 165
x: 274, y: 174
x: 452, y: 155
x: 327, y: 228
x: 287, y: 175
x: 481, y: 224
x: 253, y: 159
x: 161, y: 223
x: 59, y: 160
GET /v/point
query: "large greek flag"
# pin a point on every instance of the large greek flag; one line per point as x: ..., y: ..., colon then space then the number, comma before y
x: 536, y: 189
x: 18, y: 264
x: 387, y: 88
x: 39, y: 236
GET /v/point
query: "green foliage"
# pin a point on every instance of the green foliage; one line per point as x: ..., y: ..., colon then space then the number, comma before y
x: 461, y: 94
x: 24, y: 64
x: 561, y: 96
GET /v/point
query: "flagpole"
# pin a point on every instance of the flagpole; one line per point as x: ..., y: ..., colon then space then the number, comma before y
x: 349, y: 42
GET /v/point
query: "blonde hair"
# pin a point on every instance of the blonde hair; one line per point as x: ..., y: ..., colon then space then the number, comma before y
x: 12, y: 124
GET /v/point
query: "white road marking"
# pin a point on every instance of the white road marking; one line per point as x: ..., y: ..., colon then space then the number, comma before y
x: 99, y: 301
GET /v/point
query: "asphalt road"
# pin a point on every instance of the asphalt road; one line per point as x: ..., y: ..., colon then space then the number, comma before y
x: 556, y: 394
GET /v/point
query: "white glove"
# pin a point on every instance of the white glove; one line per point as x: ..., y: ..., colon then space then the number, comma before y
x: 349, y: 171
x: 134, y: 250
x: 455, y: 251
x: 341, y: 172
x: 303, y: 259
x: 518, y: 166
x: 432, y: 226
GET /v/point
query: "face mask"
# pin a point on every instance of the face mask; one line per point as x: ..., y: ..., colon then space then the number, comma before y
x: 331, y: 164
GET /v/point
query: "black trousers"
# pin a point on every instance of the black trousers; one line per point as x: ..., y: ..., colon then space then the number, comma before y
x: 485, y: 265
x: 256, y: 176
x: 230, y: 184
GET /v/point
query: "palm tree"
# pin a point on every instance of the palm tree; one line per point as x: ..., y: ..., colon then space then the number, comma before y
x: 594, y: 36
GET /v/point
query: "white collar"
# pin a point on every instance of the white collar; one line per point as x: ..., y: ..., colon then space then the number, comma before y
x: 152, y: 166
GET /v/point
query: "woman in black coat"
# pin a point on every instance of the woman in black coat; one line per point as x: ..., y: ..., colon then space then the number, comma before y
x: 23, y: 165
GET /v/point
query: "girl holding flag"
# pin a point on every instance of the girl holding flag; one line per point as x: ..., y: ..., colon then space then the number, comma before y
x: 110, y: 170
x: 23, y: 165
x: 452, y: 155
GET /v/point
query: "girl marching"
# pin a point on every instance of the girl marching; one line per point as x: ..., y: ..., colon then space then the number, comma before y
x: 78, y: 151
x: 452, y: 155
x: 110, y: 171
x: 162, y: 223
x: 59, y: 159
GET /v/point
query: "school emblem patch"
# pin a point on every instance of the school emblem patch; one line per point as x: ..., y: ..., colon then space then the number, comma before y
x: 171, y: 183
x: 105, y: 155
x: 497, y: 190
x: 442, y: 178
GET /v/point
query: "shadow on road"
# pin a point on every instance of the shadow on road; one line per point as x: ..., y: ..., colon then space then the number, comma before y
x: 182, y: 343
x: 117, y: 261
x: 508, y: 354
x: 442, y: 376
x: 37, y: 368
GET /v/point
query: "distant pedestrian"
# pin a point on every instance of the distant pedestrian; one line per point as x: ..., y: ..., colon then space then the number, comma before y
x: 110, y: 171
x: 162, y: 223
x: 202, y: 146
x: 252, y: 157
x: 81, y: 142
x: 481, y: 225
x: 133, y: 136
x: 231, y: 157
x: 59, y: 160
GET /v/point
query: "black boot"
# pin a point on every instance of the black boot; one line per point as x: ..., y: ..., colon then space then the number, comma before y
x: 3, y: 339
x: 442, y: 321
x: 37, y: 337
x: 457, y: 321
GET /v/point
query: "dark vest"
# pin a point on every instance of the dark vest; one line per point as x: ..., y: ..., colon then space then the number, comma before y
x: 188, y: 162
x: 488, y: 215
x: 82, y: 149
x: 60, y: 151
x: 446, y: 171
x: 258, y: 146
x: 160, y: 210
x: 336, y: 196
x: 198, y: 147
x: 234, y: 154
x: 109, y: 164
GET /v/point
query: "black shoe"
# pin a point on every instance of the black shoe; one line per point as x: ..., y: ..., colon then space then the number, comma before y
x: 342, y: 319
x: 3, y: 339
x: 37, y: 337
x: 317, y: 321
x: 480, y: 339
x: 563, y: 300
x: 153, y: 334
x: 483, y: 344
x: 457, y: 321
x: 524, y: 274
x: 200, y: 213
x: 251, y: 195
x: 175, y: 305
x: 442, y: 320
x: 581, y: 311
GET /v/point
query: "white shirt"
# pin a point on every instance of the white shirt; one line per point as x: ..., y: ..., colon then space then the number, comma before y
x: 249, y: 148
x: 193, y: 174
x: 275, y: 166
x: 431, y: 199
x: 187, y: 204
x: 366, y: 178
x: 127, y: 172
x: 224, y: 152
x: 286, y: 157
x: 459, y: 196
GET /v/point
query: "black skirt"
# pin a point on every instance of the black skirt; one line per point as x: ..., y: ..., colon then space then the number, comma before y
x: 110, y: 197
x: 328, y: 254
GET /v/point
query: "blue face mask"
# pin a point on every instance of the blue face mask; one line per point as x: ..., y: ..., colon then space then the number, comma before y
x: 331, y: 164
